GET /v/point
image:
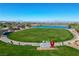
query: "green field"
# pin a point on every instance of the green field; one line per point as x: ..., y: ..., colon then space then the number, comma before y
x: 12, y: 50
x: 38, y: 35
x: 74, y: 25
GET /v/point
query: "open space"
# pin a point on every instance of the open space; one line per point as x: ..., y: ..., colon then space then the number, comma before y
x: 8, y: 50
x: 39, y: 29
x: 41, y: 34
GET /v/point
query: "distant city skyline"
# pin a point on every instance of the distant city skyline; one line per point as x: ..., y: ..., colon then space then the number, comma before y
x: 39, y: 12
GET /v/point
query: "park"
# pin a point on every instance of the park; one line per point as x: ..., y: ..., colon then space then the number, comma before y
x: 39, y: 29
x: 38, y: 41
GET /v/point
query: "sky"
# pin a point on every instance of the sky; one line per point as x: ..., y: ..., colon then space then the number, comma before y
x: 39, y: 12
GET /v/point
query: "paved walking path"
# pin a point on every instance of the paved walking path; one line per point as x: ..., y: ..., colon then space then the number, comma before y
x: 68, y: 43
x: 71, y: 42
x: 7, y: 40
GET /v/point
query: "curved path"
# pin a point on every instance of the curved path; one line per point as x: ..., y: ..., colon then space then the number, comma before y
x: 68, y: 43
x: 7, y: 40
x: 71, y: 42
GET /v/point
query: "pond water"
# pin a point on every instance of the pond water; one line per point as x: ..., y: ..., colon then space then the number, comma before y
x: 57, y: 26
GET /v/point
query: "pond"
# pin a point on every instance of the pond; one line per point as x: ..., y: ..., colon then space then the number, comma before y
x: 57, y: 26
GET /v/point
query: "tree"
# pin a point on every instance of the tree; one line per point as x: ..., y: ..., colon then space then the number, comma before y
x: 29, y: 25
x: 1, y: 32
x: 69, y: 26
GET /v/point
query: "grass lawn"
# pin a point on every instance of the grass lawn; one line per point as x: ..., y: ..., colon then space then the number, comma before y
x: 12, y: 50
x: 38, y: 35
x: 76, y: 27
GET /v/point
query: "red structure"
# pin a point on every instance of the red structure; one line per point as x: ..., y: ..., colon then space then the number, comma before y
x: 52, y: 44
